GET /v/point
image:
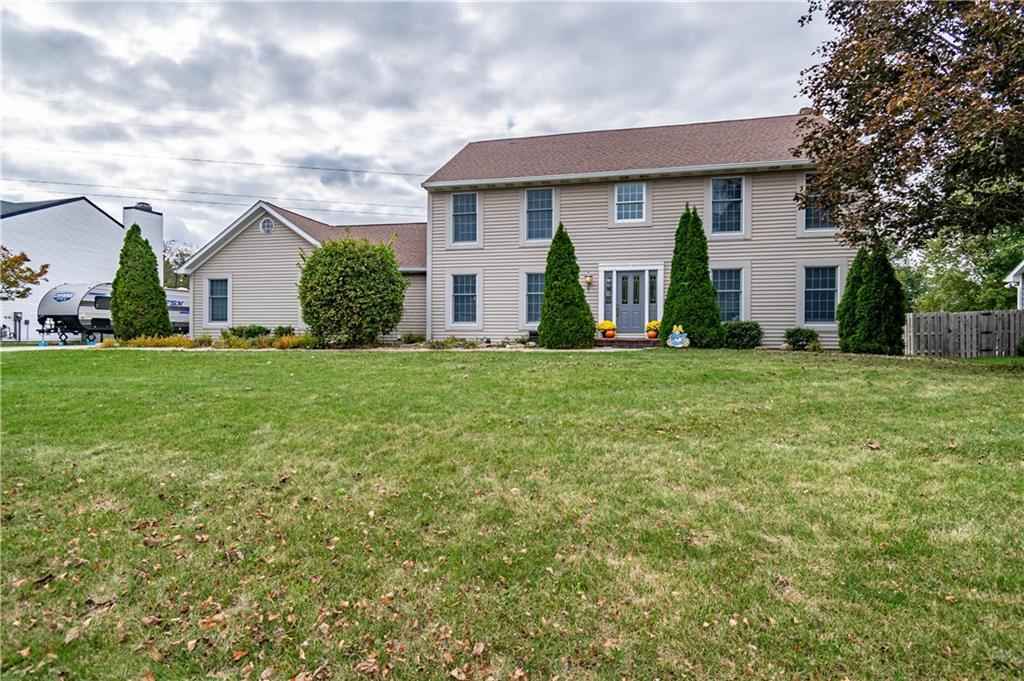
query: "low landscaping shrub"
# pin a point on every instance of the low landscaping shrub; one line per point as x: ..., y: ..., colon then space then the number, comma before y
x: 291, y: 341
x: 815, y: 346
x: 204, y: 341
x: 799, y: 337
x: 411, y: 338
x: 250, y: 331
x: 159, y: 342
x: 287, y: 330
x: 742, y: 335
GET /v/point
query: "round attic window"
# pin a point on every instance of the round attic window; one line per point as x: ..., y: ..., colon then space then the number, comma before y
x: 267, y: 226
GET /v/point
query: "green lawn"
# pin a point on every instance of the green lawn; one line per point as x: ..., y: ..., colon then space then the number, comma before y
x: 470, y: 514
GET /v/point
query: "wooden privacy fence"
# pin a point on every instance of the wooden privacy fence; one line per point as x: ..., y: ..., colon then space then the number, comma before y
x: 963, y: 334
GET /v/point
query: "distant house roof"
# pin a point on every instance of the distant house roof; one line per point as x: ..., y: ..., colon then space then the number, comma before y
x: 693, y: 146
x: 8, y: 209
x: 1016, y: 274
x: 410, y: 244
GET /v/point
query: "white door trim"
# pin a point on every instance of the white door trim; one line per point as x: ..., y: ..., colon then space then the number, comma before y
x: 615, y: 267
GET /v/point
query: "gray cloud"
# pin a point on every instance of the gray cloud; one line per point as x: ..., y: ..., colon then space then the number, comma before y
x: 375, y: 86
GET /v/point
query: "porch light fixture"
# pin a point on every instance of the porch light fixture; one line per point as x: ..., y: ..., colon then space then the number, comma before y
x: 588, y: 279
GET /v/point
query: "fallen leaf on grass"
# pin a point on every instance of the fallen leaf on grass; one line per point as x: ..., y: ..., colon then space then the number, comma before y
x: 151, y: 620
x: 367, y: 666
x: 237, y: 655
x: 478, y: 649
x: 72, y: 634
x: 874, y: 446
x: 191, y: 645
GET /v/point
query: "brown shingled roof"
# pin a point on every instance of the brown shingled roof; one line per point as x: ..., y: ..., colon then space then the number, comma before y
x: 751, y: 140
x: 410, y: 244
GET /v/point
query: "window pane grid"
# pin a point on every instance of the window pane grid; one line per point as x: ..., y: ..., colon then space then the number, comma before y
x: 534, y: 296
x: 218, y: 300
x: 629, y: 201
x: 728, y: 287
x: 539, y: 213
x: 815, y: 217
x: 463, y: 217
x: 819, y: 294
x: 464, y: 298
x: 727, y: 205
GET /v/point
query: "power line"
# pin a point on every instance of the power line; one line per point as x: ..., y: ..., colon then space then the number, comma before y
x: 187, y: 191
x: 291, y: 166
x: 226, y: 203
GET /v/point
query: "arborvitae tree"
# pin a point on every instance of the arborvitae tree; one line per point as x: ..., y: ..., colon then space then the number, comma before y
x: 846, y: 313
x: 138, y: 304
x: 880, y: 308
x: 565, y: 317
x: 691, y: 299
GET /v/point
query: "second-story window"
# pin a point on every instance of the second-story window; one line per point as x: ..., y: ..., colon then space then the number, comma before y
x: 727, y: 205
x: 464, y: 222
x: 629, y: 202
x: 540, y: 214
x: 814, y: 216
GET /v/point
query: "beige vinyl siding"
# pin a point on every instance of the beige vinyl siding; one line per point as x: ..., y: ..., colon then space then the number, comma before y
x: 414, y: 312
x: 264, y: 273
x: 773, y: 249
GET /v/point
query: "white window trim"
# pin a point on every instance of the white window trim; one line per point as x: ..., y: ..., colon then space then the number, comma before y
x: 745, y: 212
x: 801, y: 214
x: 523, y: 271
x: 464, y: 326
x: 630, y: 266
x: 523, y: 240
x: 451, y: 223
x: 612, y: 212
x: 842, y: 266
x: 744, y: 267
x: 206, y: 300
x: 273, y: 225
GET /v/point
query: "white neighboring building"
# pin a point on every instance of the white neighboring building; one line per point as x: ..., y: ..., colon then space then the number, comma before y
x: 1016, y: 279
x: 78, y: 240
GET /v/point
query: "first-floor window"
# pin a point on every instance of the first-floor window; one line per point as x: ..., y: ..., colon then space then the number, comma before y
x: 820, y: 295
x: 534, y: 296
x: 728, y: 289
x: 464, y: 299
x: 218, y: 300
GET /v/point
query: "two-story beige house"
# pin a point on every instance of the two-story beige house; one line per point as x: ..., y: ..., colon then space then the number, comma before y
x: 492, y: 210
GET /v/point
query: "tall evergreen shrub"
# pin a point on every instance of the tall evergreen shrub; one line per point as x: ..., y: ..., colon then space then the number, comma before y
x: 565, y: 317
x: 691, y: 299
x: 880, y: 308
x: 846, y: 313
x: 351, y: 292
x: 138, y: 304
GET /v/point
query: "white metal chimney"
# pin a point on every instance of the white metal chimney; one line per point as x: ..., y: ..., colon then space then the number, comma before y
x: 152, y: 225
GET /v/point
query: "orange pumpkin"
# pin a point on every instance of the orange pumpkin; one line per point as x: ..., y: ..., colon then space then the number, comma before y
x: 652, y: 334
x: 610, y: 333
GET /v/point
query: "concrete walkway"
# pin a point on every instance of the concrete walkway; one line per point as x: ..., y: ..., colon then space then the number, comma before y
x: 51, y: 346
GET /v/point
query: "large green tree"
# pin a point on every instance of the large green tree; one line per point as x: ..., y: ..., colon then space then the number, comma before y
x: 565, y: 317
x: 957, y: 274
x: 921, y: 118
x: 138, y: 304
x: 691, y: 300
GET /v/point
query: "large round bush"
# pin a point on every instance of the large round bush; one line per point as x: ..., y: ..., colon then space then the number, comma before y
x: 351, y: 292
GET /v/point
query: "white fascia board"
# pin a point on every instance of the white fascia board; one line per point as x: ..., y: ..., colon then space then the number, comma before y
x: 231, y: 231
x: 625, y: 174
x: 1011, y: 278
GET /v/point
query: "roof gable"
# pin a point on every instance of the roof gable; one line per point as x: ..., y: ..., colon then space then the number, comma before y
x: 10, y: 209
x: 409, y: 245
x: 720, y: 143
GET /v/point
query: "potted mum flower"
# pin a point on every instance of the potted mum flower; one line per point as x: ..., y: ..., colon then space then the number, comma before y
x: 653, y: 327
x: 607, y: 328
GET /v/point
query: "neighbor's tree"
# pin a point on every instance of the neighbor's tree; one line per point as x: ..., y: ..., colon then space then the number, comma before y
x: 963, y: 274
x: 565, y: 317
x: 175, y: 255
x: 691, y: 300
x: 846, y: 312
x: 920, y: 125
x: 877, y: 325
x: 138, y: 304
x: 16, y: 276
x: 350, y: 292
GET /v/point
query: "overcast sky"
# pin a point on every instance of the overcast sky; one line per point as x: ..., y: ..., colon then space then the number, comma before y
x: 108, y: 96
